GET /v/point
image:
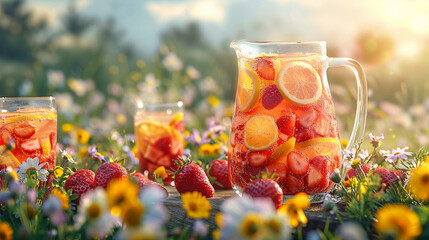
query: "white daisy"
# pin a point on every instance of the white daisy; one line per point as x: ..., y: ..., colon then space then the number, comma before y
x: 32, y: 164
x: 236, y: 210
x: 398, y: 153
x: 93, y: 210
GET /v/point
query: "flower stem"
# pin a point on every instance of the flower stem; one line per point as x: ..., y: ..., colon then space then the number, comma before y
x: 299, y: 230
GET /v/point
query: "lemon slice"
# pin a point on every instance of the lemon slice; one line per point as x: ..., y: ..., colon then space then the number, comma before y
x: 247, y: 89
x: 299, y: 83
x: 176, y: 119
x: 260, y: 132
x: 29, y: 117
x: 319, y: 147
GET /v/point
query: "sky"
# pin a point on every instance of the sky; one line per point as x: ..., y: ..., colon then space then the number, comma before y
x: 338, y: 22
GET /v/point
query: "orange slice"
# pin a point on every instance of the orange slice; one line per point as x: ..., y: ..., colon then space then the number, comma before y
x: 148, y: 131
x: 284, y: 149
x: 260, y: 132
x: 247, y: 89
x: 319, y: 147
x: 299, y: 83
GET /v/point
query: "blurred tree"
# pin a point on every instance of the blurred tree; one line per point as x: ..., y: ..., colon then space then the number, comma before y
x: 75, y: 23
x: 18, y: 31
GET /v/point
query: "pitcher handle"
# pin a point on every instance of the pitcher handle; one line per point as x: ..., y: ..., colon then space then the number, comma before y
x: 362, y: 97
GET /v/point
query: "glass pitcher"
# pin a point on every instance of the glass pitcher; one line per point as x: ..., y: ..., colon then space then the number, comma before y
x: 284, y: 120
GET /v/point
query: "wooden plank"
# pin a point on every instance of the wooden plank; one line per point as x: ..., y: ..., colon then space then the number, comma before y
x: 316, y: 215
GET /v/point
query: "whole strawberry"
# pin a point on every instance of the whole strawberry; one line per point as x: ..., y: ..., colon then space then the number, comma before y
x: 387, y: 176
x: 352, y: 172
x: 108, y: 171
x: 143, y: 182
x: 80, y: 182
x: 218, y: 174
x: 192, y: 177
x: 265, y: 188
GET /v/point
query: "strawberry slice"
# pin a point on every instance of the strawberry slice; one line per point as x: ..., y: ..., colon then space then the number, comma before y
x: 294, y: 185
x: 271, y: 97
x: 305, y: 117
x: 24, y: 131
x: 286, y: 124
x: 257, y: 158
x: 53, y: 139
x: 5, y: 136
x: 322, y: 126
x: 164, y: 160
x: 163, y: 144
x: 297, y: 163
x: 265, y: 69
x: 152, y: 153
x: 313, y: 178
x: 278, y: 168
x: 31, y: 146
x: 303, y: 134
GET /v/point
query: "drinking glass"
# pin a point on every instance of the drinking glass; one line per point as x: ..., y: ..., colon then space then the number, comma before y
x: 29, y: 125
x: 159, y: 131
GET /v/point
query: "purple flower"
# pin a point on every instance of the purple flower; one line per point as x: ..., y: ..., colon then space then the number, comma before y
x: 398, y: 153
x: 96, y: 155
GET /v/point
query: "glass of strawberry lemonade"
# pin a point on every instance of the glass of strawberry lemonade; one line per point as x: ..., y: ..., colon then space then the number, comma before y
x: 159, y: 130
x: 28, y: 129
x: 284, y: 119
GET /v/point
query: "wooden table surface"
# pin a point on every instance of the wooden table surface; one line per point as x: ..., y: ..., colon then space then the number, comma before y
x: 316, y: 215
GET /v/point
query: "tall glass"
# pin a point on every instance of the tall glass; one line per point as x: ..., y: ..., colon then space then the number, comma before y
x: 284, y: 121
x: 159, y: 131
x: 31, y: 124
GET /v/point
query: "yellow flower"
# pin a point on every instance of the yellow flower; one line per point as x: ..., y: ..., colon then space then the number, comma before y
x: 399, y: 220
x: 196, y: 205
x: 83, y: 152
x: 135, y: 76
x: 222, y: 138
x: 64, y: 199
x: 218, y: 219
x: 251, y: 225
x: 121, y: 193
x: 344, y: 142
x: 419, y: 181
x: 67, y: 127
x: 228, y: 112
x: 140, y: 64
x: 357, y: 188
x: 132, y: 214
x: 121, y: 118
x: 216, y: 234
x: 82, y: 136
x: 294, y: 209
x: 58, y: 171
x: 160, y: 172
x: 213, y: 100
x: 6, y: 232
x: 209, y: 149
x: 355, y: 163
x: 122, y: 58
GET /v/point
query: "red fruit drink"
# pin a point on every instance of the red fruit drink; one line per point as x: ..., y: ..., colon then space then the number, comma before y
x: 159, y: 133
x: 34, y: 131
x: 284, y: 123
